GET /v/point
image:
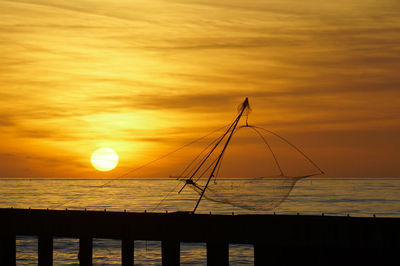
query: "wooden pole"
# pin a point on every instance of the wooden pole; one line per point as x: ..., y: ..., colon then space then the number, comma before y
x: 261, y: 254
x: 7, y: 249
x: 170, y: 252
x: 127, y: 252
x: 217, y: 253
x: 45, y: 250
x: 232, y: 130
x: 85, y: 255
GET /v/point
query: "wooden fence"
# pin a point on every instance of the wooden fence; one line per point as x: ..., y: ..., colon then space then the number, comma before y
x: 277, y: 239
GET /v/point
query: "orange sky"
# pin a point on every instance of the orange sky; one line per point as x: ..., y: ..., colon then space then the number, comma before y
x: 145, y: 76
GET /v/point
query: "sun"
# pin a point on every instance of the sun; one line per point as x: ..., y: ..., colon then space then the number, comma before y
x: 104, y: 159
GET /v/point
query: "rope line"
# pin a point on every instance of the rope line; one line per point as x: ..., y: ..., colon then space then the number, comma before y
x: 140, y: 167
x: 267, y: 144
x: 293, y: 146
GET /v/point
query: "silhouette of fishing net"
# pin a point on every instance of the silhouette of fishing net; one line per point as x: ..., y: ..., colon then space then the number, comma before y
x: 240, y: 164
x: 256, y: 171
x: 259, y: 194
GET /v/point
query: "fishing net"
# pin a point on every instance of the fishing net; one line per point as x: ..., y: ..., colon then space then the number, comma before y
x: 261, y: 194
x: 240, y: 164
x: 247, y: 167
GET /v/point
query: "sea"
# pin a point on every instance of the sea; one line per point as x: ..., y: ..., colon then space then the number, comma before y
x: 363, y: 197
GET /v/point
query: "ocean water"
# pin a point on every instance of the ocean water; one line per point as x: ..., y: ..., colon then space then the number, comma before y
x: 331, y: 196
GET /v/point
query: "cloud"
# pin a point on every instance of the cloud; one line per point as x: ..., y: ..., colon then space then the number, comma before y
x: 59, y: 161
x: 6, y: 120
x: 75, y: 72
x: 189, y: 102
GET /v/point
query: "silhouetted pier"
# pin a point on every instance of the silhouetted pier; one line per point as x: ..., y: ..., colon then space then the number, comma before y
x: 277, y: 239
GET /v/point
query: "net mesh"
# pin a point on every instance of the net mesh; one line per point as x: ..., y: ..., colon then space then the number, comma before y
x: 266, y: 193
x: 256, y: 171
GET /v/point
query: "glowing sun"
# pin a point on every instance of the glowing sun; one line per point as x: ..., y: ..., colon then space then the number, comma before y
x: 104, y: 159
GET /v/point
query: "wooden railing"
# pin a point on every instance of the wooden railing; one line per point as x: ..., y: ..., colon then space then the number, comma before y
x: 277, y: 239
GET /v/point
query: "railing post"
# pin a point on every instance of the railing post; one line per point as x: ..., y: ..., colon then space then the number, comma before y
x: 85, y: 251
x: 170, y: 252
x: 45, y: 250
x: 127, y: 252
x: 7, y: 249
x: 217, y: 253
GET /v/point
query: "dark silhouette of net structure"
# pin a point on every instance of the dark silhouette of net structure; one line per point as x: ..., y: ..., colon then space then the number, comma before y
x: 214, y: 173
x: 241, y: 164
